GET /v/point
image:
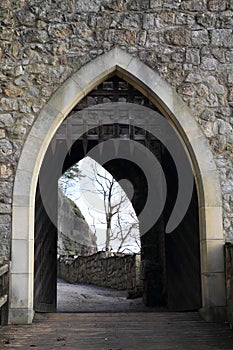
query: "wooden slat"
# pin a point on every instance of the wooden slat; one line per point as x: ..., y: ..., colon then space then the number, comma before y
x: 3, y: 300
x: 4, y: 269
x: 114, y: 89
x: 135, y: 331
x: 45, y: 246
x: 105, y: 136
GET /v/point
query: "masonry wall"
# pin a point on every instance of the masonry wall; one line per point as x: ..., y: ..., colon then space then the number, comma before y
x: 104, y: 269
x: 43, y: 42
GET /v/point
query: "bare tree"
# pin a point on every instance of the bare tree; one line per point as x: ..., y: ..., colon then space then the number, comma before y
x: 69, y: 178
x: 126, y: 230
x: 107, y: 187
x: 119, y: 217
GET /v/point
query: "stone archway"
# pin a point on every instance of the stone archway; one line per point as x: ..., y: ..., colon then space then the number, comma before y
x: 201, y: 158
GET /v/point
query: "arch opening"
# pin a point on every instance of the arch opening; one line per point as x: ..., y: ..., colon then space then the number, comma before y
x: 209, y: 203
x: 104, y: 260
x: 161, y: 259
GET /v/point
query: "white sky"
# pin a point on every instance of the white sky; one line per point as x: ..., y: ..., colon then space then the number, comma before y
x: 84, y: 194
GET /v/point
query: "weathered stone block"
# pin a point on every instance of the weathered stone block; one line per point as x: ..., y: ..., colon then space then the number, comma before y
x: 148, y: 21
x: 217, y: 5
x: 87, y: 5
x: 26, y: 17
x: 5, y: 219
x: 187, y: 89
x: 193, y: 78
x: 2, y: 133
x: 6, y: 34
x: 5, y: 208
x: 184, y: 18
x: 221, y: 127
x: 131, y: 21
x: 177, y: 36
x: 152, y: 39
x: 209, y: 63
x: 229, y: 58
x: 155, y: 4
x: 142, y: 38
x: 222, y: 38
x: 193, y: 56
x: 5, y: 147
x: 137, y: 5
x: 230, y: 93
x: 60, y: 31
x: 130, y: 37
x: 5, y: 171
x: 33, y: 35
x: 208, y: 115
x: 194, y: 5
x: 206, y: 19
x: 12, y: 91
x: 164, y: 19
x: 199, y: 37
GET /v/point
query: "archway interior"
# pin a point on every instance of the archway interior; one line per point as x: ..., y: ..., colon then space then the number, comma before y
x: 170, y: 263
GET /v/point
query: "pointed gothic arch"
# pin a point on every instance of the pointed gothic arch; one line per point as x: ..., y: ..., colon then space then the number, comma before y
x: 51, y: 116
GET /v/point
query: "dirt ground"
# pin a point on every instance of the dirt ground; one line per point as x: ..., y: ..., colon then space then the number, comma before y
x: 89, y: 298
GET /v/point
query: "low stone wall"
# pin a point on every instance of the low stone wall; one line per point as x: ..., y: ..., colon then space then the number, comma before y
x: 105, y: 269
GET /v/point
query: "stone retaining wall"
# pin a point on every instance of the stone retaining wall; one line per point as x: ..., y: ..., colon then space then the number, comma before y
x: 105, y: 269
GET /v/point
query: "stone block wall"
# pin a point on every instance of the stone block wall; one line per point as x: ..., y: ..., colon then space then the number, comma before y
x: 42, y: 43
x: 106, y: 269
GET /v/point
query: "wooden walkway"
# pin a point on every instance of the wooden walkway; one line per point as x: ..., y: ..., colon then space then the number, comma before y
x: 118, y: 331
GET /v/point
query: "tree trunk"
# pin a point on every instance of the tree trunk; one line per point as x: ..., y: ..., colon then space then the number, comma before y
x: 108, y: 233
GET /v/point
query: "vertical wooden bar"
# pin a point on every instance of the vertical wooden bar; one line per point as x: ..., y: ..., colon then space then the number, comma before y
x: 4, y: 293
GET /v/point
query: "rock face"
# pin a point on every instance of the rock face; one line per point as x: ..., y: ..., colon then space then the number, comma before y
x: 74, y: 234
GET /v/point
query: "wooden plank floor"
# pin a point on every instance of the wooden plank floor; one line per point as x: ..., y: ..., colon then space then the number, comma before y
x: 118, y: 331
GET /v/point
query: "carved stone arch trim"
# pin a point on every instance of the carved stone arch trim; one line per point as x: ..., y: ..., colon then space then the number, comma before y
x: 51, y: 116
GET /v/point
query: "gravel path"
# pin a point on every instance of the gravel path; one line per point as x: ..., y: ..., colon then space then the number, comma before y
x: 90, y: 298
